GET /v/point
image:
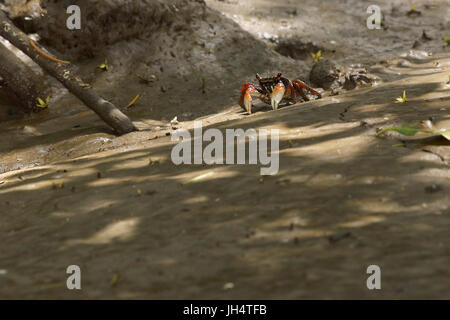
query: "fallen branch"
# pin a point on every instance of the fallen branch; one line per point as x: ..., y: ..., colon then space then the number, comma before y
x: 104, y: 109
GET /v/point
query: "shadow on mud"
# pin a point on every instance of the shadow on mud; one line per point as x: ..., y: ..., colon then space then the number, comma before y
x: 278, y: 237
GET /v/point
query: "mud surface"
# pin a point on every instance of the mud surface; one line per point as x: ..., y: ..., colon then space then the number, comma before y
x: 73, y: 193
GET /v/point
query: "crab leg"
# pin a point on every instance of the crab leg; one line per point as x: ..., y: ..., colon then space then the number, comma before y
x: 247, y: 91
x: 298, y: 85
x: 277, y: 95
x: 299, y: 90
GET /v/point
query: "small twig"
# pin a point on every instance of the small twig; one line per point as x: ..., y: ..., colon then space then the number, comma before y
x: 203, y: 85
x: 46, y: 56
x: 134, y: 101
x: 103, y: 108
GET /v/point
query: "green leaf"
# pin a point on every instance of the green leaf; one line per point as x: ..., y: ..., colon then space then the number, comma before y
x: 43, y: 104
x: 412, y: 129
x: 401, y: 99
x: 447, y: 40
x: 409, y: 130
x: 445, y: 134
x: 317, y: 56
x: 104, y: 66
x: 406, y: 131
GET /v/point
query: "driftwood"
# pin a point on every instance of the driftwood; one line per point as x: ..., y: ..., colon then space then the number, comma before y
x: 105, y: 109
x: 23, y: 84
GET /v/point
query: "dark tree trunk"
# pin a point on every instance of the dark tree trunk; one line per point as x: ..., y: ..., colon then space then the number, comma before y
x: 24, y: 85
x: 105, y: 109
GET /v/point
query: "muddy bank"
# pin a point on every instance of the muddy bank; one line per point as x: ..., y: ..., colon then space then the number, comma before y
x: 189, y: 60
x: 342, y: 200
x: 340, y: 29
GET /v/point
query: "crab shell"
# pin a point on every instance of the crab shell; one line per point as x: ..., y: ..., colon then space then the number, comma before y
x: 272, y: 91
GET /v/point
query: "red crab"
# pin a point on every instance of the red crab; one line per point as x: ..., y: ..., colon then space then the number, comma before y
x: 272, y: 91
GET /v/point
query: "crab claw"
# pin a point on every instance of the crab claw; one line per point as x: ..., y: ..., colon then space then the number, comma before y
x: 247, y: 91
x: 277, y: 95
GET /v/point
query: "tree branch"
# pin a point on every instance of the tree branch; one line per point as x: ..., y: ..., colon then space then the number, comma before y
x: 20, y: 80
x: 104, y: 109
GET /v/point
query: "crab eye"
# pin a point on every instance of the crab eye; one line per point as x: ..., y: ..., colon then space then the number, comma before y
x: 279, y: 75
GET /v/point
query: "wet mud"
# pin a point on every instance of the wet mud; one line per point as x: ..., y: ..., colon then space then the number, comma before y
x: 71, y: 192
